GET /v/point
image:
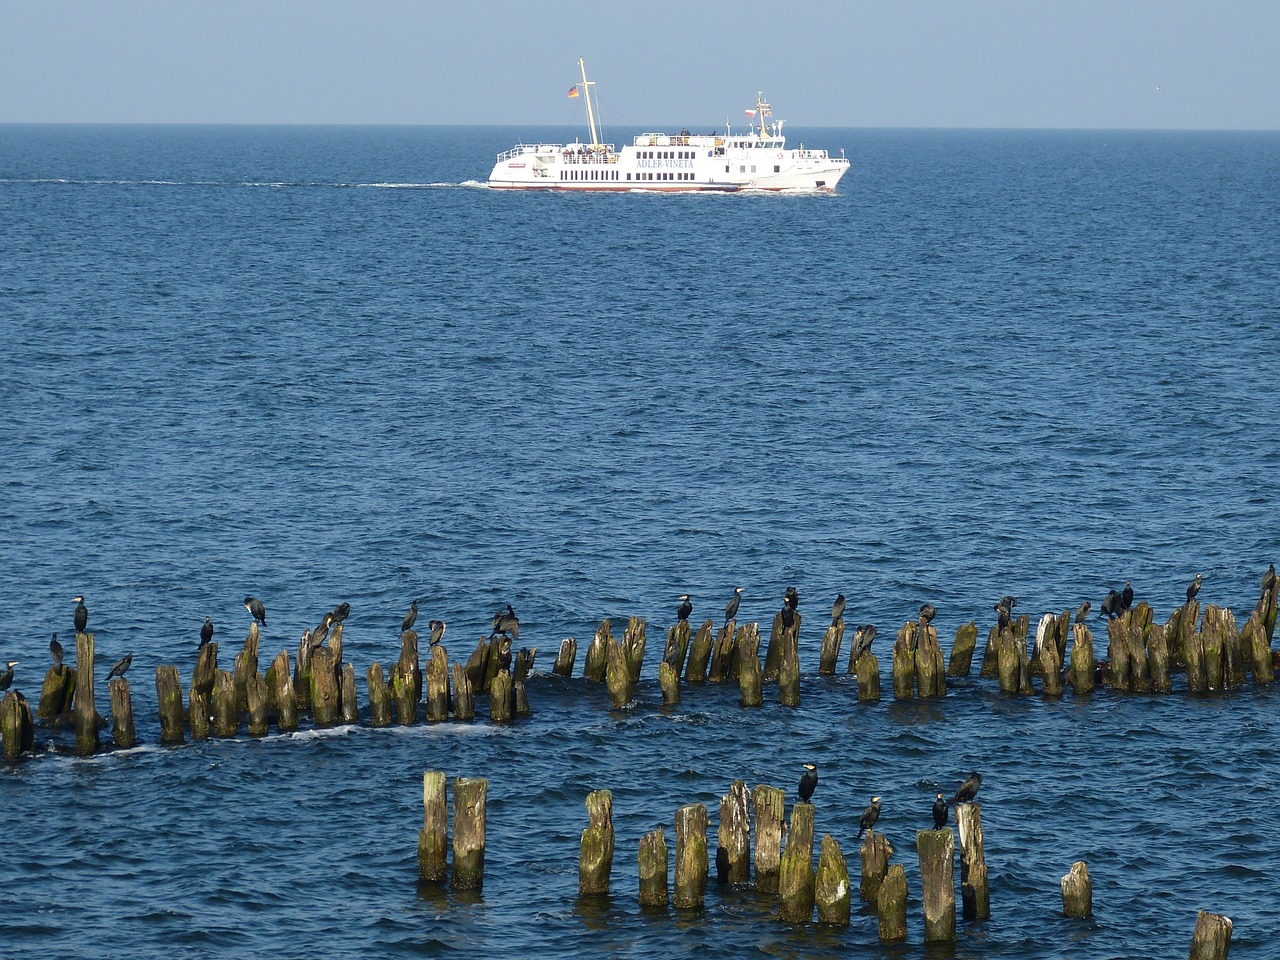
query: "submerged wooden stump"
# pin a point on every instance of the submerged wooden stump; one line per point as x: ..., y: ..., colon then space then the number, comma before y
x: 734, y: 832
x: 222, y: 705
x: 617, y: 674
x: 654, y: 869
x: 789, y: 669
x: 938, y: 883
x: 206, y: 668
x: 281, y: 692
x: 16, y: 727
x: 1257, y: 651
x: 597, y: 661
x: 891, y: 905
x: 868, y: 678
x: 974, y: 896
x: 404, y: 691
x: 750, y: 673
x: 831, y: 888
x: 464, y: 705
x: 1080, y: 676
x: 501, y: 699
x: 595, y: 858
x: 123, y: 732
x: 669, y: 683
x: 691, y: 857
x: 347, y: 689
x: 522, y: 668
x: 722, y: 654
x: 962, y: 648
x: 469, y: 809
x: 433, y: 838
x: 437, y: 685
x: 1212, y: 937
x: 563, y: 666
x: 326, y: 698
x: 829, y: 653
x: 379, y: 696
x: 634, y: 641
x: 1077, y: 891
x: 255, y: 690
x: 199, y: 715
x: 931, y: 677
x: 773, y: 650
x: 677, y: 647
x: 990, y: 668
x: 86, y: 709
x: 57, y: 693
x: 699, y: 655
x: 245, y: 666
x: 875, y: 854
x: 796, y: 879
x: 904, y: 662
x: 770, y: 806
x: 169, y: 700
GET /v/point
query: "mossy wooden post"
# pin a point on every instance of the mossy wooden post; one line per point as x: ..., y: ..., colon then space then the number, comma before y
x: 1158, y: 660
x: 347, y: 688
x: 563, y: 666
x: 770, y: 806
x: 255, y: 690
x: 1080, y: 676
x: 868, y: 678
x: 750, y: 674
x: 57, y: 692
x: 222, y: 703
x: 523, y: 666
x: 1266, y: 607
x: 85, y: 707
x: 1051, y: 666
x: 199, y: 715
x: 699, y: 654
x: 379, y: 696
x: 302, y: 674
x: 520, y: 698
x: 634, y: 640
x: 595, y: 858
x: 597, y: 662
x: 169, y: 701
x: 1223, y: 623
x: 281, y: 692
x: 962, y: 648
x: 789, y: 668
x: 1077, y: 891
x: 464, y: 703
x: 677, y: 647
x: 437, y: 684
x: 1211, y: 636
x: 1008, y: 662
x: 654, y: 870
x: 874, y: 855
x: 617, y: 674
x: 891, y: 905
x: 722, y: 653
x: 974, y: 896
x: 931, y: 675
x: 493, y: 660
x: 773, y: 651
x: 1138, y: 629
x: 206, y: 668
x: 691, y: 856
x: 501, y: 701
x: 245, y: 666
x: 325, y: 695
x: 1257, y: 651
x: 16, y: 727
x: 469, y: 809
x: 404, y: 691
x: 990, y: 667
x: 433, y: 838
x: 831, y: 889
x: 796, y: 878
x: 669, y: 683
x: 477, y: 664
x: 904, y: 662
x: 829, y: 654
x: 1118, y: 651
x: 123, y: 732
x: 938, y: 883
x: 734, y: 832
x: 1020, y: 628
x: 1212, y: 937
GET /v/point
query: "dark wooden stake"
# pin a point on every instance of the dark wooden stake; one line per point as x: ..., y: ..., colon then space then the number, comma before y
x: 206, y: 668
x: 829, y: 654
x: 16, y: 727
x: 770, y: 806
x: 595, y: 859
x: 85, y: 707
x: 469, y: 808
x: 904, y: 662
x: 501, y: 699
x: 773, y: 651
x: 57, y: 692
x: 677, y: 647
x: 325, y: 694
x: 464, y: 704
x: 564, y: 659
x: 437, y: 685
x: 1080, y: 676
x: 938, y: 883
x: 699, y: 654
x: 245, y: 666
x: 891, y: 905
x: 617, y: 674
x: 974, y: 897
x: 722, y: 654
x: 379, y: 696
x: 831, y: 888
x: 347, y: 687
x: 1077, y: 891
x: 962, y: 648
x: 796, y: 877
x: 1158, y: 659
x: 874, y: 855
x: 199, y: 715
x: 931, y: 677
x: 255, y: 690
x: 691, y: 856
x: 597, y: 661
x: 433, y: 838
x: 222, y: 702
x: 789, y: 667
x: 654, y: 869
x: 409, y: 666
x: 750, y: 675
x: 169, y: 700
x: 868, y: 678
x: 734, y: 832
x: 1212, y: 937
x: 281, y: 692
x: 634, y: 641
x: 123, y: 732
x: 669, y: 683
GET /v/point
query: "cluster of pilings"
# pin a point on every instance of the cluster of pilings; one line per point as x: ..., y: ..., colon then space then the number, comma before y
x: 470, y: 806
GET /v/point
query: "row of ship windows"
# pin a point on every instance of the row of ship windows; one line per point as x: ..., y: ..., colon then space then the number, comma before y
x: 613, y: 175
x: 665, y: 154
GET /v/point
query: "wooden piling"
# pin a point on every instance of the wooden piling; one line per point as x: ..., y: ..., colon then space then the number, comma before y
x: 974, y: 897
x: 654, y: 870
x: 469, y: 808
x: 829, y: 653
x: 891, y: 905
x: 634, y: 641
x: 1158, y: 660
x: 750, y: 674
x: 1220, y: 625
x: 1212, y: 937
x: 169, y: 700
x: 437, y: 685
x: 404, y: 693
x: 1257, y: 651
x: 1266, y: 607
x: 280, y: 691
x: 325, y: 694
x: 255, y: 690
x: 931, y: 677
x: 904, y: 662
x: 347, y: 688
x: 1077, y: 891
x: 302, y: 673
x: 1080, y: 675
x: 734, y: 832
x: 595, y: 858
x: 699, y: 654
x: 522, y: 667
x: 773, y: 650
x: 245, y: 666
x: 206, y: 668
x: 691, y: 856
x: 669, y: 683
x: 617, y: 674
x: 597, y: 661
x: 57, y: 693
x: 990, y: 667
x: 722, y: 653
x: 199, y: 715
x: 464, y: 705
x: 379, y: 696
x: 85, y: 707
x: 770, y: 806
x: 222, y: 705
x: 831, y: 888
x: 962, y: 648
x: 16, y: 727
x: 677, y: 647
x: 789, y: 669
x: 938, y: 883
x: 123, y: 732
x: 868, y: 678
x: 433, y: 838
x: 563, y: 666
x: 409, y: 666
x: 796, y: 877
x: 493, y: 660
x: 874, y: 855
x: 501, y: 699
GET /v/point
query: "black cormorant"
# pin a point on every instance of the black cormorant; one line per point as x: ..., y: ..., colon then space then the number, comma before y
x: 411, y: 617
x: 1194, y: 587
x: 686, y: 608
x: 341, y: 612
x: 869, y: 817
x: 1009, y: 601
x: 437, y: 632
x: 808, y: 782
x: 927, y: 612
x: 1269, y: 578
x: 6, y: 678
x: 504, y: 654
x: 206, y: 632
x: 791, y: 598
x: 731, y: 608
x: 940, y: 812
x: 1111, y: 604
x: 55, y: 651
x: 81, y: 615
x: 506, y: 623
x: 256, y: 609
x: 121, y: 666
x: 788, y: 614
x: 1002, y: 615
x: 837, y: 609
x: 1082, y: 611
x: 862, y: 637
x: 321, y: 633
x: 1126, y: 597
x: 969, y: 789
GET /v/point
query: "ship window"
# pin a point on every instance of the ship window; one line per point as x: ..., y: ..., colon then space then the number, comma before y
x: 776, y: 168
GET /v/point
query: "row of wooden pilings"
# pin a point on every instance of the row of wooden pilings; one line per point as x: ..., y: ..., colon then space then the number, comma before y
x: 785, y: 872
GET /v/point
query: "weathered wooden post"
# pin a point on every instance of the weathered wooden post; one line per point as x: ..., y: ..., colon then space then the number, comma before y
x: 990, y: 668
x: 501, y: 699
x: 669, y: 683
x: 123, y: 732
x: 255, y: 690
x: 1268, y: 602
x: 974, y: 897
x: 1118, y: 651
x: 789, y: 669
x: 699, y: 654
x: 1077, y: 891
x: 1080, y: 676
x: 773, y: 651
x: 832, y: 885
x: 874, y: 855
x: 404, y: 690
x: 770, y: 806
x: 722, y: 654
x: 829, y: 654
x: 868, y: 678
x: 691, y: 856
x: 891, y: 905
x: 347, y: 689
x: 938, y: 883
x: 199, y: 714
x: 477, y: 665
x: 16, y: 727
x: 1212, y: 937
x: 469, y: 808
x: 206, y: 668
x: 437, y: 684
x: 325, y: 696
x: 520, y: 698
x: 523, y: 666
x: 280, y: 692
x: 1158, y: 660
x: 734, y: 832
x: 86, y: 709
x: 966, y: 641
x: 617, y: 674
x: 302, y: 673
x: 1257, y: 651
x: 677, y: 646
x: 653, y: 869
x: 245, y: 666
x: 57, y: 692
x: 1051, y: 653
x: 595, y: 858
x: 226, y: 721
x: 564, y: 659
x: 379, y: 696
x: 796, y: 878
x: 433, y: 838
x: 750, y: 675
x: 634, y: 641
x: 464, y: 704
x: 597, y: 661
x: 493, y: 660
x: 169, y: 699
x: 904, y: 662
x: 1220, y: 630
x: 931, y: 678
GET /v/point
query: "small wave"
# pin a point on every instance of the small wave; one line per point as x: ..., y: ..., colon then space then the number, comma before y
x: 325, y: 733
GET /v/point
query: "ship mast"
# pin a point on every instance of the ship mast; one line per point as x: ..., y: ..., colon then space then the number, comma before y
x: 586, y: 89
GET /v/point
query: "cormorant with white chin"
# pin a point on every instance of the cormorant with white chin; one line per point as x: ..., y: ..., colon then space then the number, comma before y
x: 81, y: 615
x: 206, y: 632
x: 869, y: 817
x: 731, y: 608
x: 1194, y: 587
x: 940, y: 812
x: 256, y: 609
x: 686, y: 608
x: 808, y: 782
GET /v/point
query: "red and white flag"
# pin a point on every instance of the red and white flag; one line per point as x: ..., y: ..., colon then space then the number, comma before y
x: 749, y: 113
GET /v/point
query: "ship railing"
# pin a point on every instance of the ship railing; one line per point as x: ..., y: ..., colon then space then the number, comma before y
x: 586, y: 154
x: 523, y: 149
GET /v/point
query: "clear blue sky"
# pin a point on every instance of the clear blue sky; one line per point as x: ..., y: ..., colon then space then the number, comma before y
x: 1211, y: 64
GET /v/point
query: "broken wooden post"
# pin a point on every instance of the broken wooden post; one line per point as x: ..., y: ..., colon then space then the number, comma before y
x: 493, y: 659
x: 1257, y: 651
x: 169, y: 700
x: 677, y: 647
x: 722, y: 653
x: 931, y: 677
x: 469, y: 808
x: 501, y: 699
x: 464, y: 704
x: 1268, y: 602
x: 255, y: 690
x: 595, y: 858
x: 734, y: 833
x: 245, y: 666
x: 325, y: 695
x: 1077, y: 891
x: 1158, y: 660
x: 974, y: 897
x: 874, y: 855
x: 16, y: 727
x: 829, y: 653
x: 597, y: 661
x: 634, y: 641
x: 962, y: 648
x: 691, y: 856
x: 904, y: 662
x: 789, y: 667
x: 750, y: 675
x: 1051, y: 658
x: 302, y: 673
x: 375, y: 680
x: 1212, y: 937
x: 206, y: 668
x: 85, y: 707
x: 433, y: 838
x: 669, y: 683
x: 280, y: 692
x: 1080, y: 676
x: 653, y: 869
x: 770, y: 806
x: 475, y: 666
x: 891, y: 905
x: 520, y: 698
x: 796, y: 878
x: 868, y: 677
x: 199, y: 714
x: 831, y: 888
x: 773, y: 650
x: 437, y: 685
x: 123, y: 732
x: 617, y: 674
x: 222, y: 705
x: 522, y: 668
x: 938, y: 883
x: 564, y: 659
x: 57, y: 692
x: 1220, y: 633
x: 699, y: 654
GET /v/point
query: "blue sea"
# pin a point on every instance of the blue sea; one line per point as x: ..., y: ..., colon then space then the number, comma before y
x: 327, y: 364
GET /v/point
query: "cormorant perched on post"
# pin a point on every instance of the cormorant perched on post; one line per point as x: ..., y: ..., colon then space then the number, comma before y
x: 791, y: 598
x: 1111, y: 604
x: 927, y: 612
x: 506, y: 623
x: 6, y: 678
x: 206, y: 632
x: 504, y: 654
x: 437, y: 632
x: 837, y: 609
x: 788, y: 614
x: 1126, y: 597
x: 686, y: 608
x: 1082, y: 611
x: 969, y: 789
x: 940, y: 812
x: 121, y: 666
x: 862, y: 637
x: 256, y: 609
x: 731, y: 608
x: 321, y: 633
x: 411, y: 617
x: 1002, y: 615
x: 55, y: 651
x: 1009, y: 602
x: 808, y: 782
x: 341, y: 612
x: 81, y: 615
x: 869, y: 817
x: 1269, y: 578
x: 1194, y: 587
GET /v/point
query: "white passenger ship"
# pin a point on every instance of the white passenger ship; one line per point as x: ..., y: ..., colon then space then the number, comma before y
x: 671, y: 162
